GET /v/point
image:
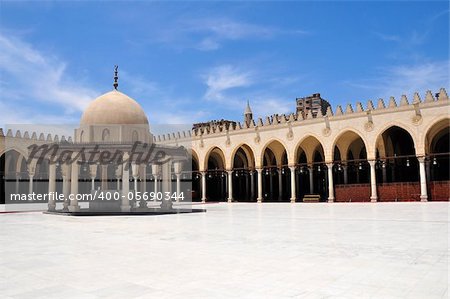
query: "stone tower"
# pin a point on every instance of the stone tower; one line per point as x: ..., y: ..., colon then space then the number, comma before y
x: 248, y: 115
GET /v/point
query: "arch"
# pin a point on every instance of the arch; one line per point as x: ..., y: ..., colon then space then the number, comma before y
x: 105, y: 135
x: 81, y: 136
x: 388, y: 141
x: 437, y: 150
x: 276, y: 174
x: 215, y: 158
x: 350, y: 164
x: 14, y: 148
x: 344, y: 141
x: 389, y: 125
x: 248, y: 152
x: 435, y: 131
x: 396, y: 157
x: 243, y: 174
x: 278, y: 148
x: 134, y: 136
x: 309, y: 145
x: 195, y: 161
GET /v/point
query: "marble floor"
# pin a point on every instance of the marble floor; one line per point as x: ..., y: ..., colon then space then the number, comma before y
x: 383, y: 250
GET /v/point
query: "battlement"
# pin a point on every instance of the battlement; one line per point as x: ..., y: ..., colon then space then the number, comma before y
x: 299, y: 118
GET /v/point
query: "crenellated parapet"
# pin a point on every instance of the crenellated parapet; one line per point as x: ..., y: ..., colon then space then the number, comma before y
x: 33, y: 136
x: 282, y: 120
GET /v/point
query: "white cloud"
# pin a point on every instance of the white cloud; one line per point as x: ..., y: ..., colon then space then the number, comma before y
x: 207, y: 34
x: 223, y: 78
x: 406, y: 79
x: 18, y: 114
x: 272, y: 105
x: 29, y: 75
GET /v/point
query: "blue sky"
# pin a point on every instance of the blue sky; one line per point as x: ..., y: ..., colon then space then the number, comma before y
x: 195, y: 61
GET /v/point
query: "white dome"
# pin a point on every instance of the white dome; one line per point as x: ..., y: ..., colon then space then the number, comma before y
x: 115, y: 108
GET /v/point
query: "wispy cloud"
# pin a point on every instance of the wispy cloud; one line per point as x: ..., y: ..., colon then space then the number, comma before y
x: 270, y: 105
x: 223, y: 78
x: 29, y: 76
x: 415, y: 37
x: 388, y: 37
x: 207, y: 34
x: 406, y: 79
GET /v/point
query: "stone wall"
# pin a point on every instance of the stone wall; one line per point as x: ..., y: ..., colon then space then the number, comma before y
x: 439, y: 191
x: 352, y: 193
x: 399, y: 192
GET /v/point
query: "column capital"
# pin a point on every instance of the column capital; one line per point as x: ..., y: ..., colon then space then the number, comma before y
x: 372, y: 162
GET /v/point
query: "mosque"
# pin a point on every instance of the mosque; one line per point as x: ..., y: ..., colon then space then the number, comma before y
x: 394, y: 150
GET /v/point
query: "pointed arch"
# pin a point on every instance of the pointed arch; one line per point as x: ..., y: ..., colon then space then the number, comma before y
x: 244, y: 154
x: 308, y: 145
x: 397, y: 141
x: 274, y: 151
x: 350, y: 140
x: 437, y: 130
x: 379, y: 140
x: 195, y: 161
x: 215, y: 159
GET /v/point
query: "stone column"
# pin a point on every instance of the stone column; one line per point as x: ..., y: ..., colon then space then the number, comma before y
x: 74, y: 207
x: 125, y: 204
x: 51, y: 186
x: 260, y: 186
x: 311, y: 180
x: 119, y: 174
x: 178, y: 167
x: 280, y: 184
x: 143, y: 175
x: 30, y: 183
x: 373, y: 182
x: 93, y: 174
x: 252, y: 184
x: 104, y: 177
x: 293, y: 186
x: 423, y: 180
x: 135, y: 169
x: 155, y: 171
x: 230, y: 185
x: 178, y: 186
x: 330, y: 182
x: 203, y: 174
x: 31, y: 172
x: 166, y: 185
x: 66, y: 170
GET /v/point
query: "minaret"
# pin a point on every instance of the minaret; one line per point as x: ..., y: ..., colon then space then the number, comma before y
x: 248, y: 115
x: 116, y: 77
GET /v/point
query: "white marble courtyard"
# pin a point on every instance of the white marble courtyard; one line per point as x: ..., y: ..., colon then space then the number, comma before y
x: 391, y: 250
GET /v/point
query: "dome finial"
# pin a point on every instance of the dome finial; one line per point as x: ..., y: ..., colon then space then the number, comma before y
x: 116, y: 77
